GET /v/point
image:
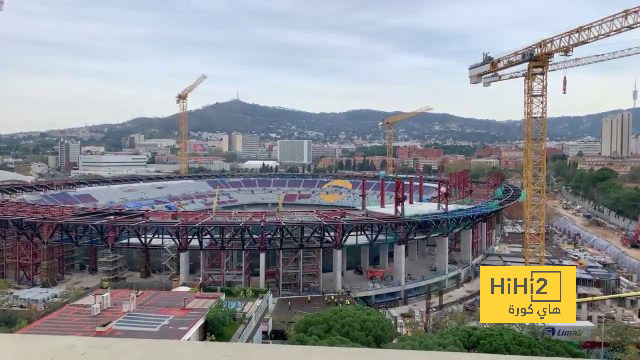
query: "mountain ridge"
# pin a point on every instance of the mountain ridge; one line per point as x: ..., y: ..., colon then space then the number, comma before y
x: 236, y: 115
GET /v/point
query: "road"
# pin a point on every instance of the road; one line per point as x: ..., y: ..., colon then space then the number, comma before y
x: 554, y: 208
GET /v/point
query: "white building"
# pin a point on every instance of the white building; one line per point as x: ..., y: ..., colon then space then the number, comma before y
x: 111, y: 165
x: 636, y: 145
x: 294, y: 151
x: 257, y: 164
x: 616, y: 135
x: 588, y: 146
x: 219, y: 142
x: 92, y: 150
x: 485, y: 161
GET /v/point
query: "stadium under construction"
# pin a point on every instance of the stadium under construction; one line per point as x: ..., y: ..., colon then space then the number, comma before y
x: 294, y: 234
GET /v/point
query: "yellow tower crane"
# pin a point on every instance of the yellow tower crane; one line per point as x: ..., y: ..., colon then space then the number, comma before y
x: 537, y: 58
x: 388, y: 123
x: 183, y: 131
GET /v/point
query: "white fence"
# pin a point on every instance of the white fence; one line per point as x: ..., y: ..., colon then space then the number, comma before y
x: 254, y: 320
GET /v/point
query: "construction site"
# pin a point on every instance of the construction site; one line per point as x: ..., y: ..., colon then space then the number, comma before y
x: 410, y: 245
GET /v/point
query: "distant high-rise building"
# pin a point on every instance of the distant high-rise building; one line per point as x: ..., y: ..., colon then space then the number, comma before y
x: 68, y: 155
x: 294, y: 151
x: 248, y: 145
x: 325, y: 151
x: 131, y: 141
x: 616, y: 135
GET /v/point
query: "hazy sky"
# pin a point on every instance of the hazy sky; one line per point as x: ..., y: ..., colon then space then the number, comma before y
x: 65, y: 63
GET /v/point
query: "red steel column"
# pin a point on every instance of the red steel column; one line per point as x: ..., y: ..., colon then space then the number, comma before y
x: 382, y: 192
x: 421, y: 188
x: 410, y: 189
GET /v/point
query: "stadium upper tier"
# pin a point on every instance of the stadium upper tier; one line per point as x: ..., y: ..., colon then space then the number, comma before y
x: 193, y: 195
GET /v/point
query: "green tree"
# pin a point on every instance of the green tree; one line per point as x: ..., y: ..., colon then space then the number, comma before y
x: 347, y: 165
x: 622, y: 340
x: 492, y: 340
x: 353, y: 326
x: 217, y: 318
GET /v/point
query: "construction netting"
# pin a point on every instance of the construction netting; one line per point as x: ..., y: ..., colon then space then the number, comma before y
x: 588, y: 239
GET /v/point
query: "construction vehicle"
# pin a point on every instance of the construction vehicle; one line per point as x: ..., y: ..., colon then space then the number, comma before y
x: 537, y: 57
x: 388, y: 123
x: 183, y: 130
x: 632, y: 238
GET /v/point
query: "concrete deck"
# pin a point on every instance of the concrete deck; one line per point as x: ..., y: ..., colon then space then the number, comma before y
x: 29, y: 347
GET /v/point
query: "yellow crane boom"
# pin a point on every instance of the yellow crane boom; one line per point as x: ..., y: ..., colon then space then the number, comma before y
x: 537, y: 57
x: 566, y: 64
x: 183, y: 128
x: 388, y: 123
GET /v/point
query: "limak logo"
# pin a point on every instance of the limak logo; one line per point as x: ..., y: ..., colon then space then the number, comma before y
x: 551, y: 331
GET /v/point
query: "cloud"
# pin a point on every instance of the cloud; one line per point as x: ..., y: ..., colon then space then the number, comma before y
x: 108, y: 61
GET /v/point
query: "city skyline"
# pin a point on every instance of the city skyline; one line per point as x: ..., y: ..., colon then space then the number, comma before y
x: 108, y: 63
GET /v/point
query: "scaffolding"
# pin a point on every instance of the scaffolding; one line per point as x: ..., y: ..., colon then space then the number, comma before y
x: 169, y: 261
x: 111, y: 266
x: 226, y: 268
x: 298, y: 272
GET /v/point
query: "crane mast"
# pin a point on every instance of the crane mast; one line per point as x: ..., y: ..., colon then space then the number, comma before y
x: 183, y: 128
x: 537, y: 58
x: 388, y: 124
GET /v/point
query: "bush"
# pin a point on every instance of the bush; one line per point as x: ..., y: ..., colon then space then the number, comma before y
x: 218, y: 317
x: 492, y: 340
x: 351, y: 326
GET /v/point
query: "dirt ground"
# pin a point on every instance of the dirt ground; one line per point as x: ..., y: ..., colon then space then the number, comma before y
x: 555, y: 210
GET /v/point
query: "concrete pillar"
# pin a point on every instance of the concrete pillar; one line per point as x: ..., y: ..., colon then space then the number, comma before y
x: 244, y: 269
x: 263, y: 267
x: 483, y: 237
x: 465, y: 246
x: 498, y: 231
x: 344, y: 259
x: 320, y: 269
x: 337, y: 269
x: 422, y: 248
x: 594, y: 319
x: 203, y: 259
x: 493, y: 236
x: 584, y: 312
x: 364, y: 259
x: 384, y: 256
x: 413, y: 250
x: 184, y: 267
x: 442, y: 254
x: 399, y: 265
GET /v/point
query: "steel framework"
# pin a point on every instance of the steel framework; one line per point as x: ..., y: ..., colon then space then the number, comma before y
x: 25, y: 228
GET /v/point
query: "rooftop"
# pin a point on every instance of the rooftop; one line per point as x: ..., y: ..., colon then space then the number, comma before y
x: 157, y: 315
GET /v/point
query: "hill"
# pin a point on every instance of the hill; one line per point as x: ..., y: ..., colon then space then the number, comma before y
x: 289, y: 123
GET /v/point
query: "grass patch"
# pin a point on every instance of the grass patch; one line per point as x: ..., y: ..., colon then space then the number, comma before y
x: 229, y: 330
